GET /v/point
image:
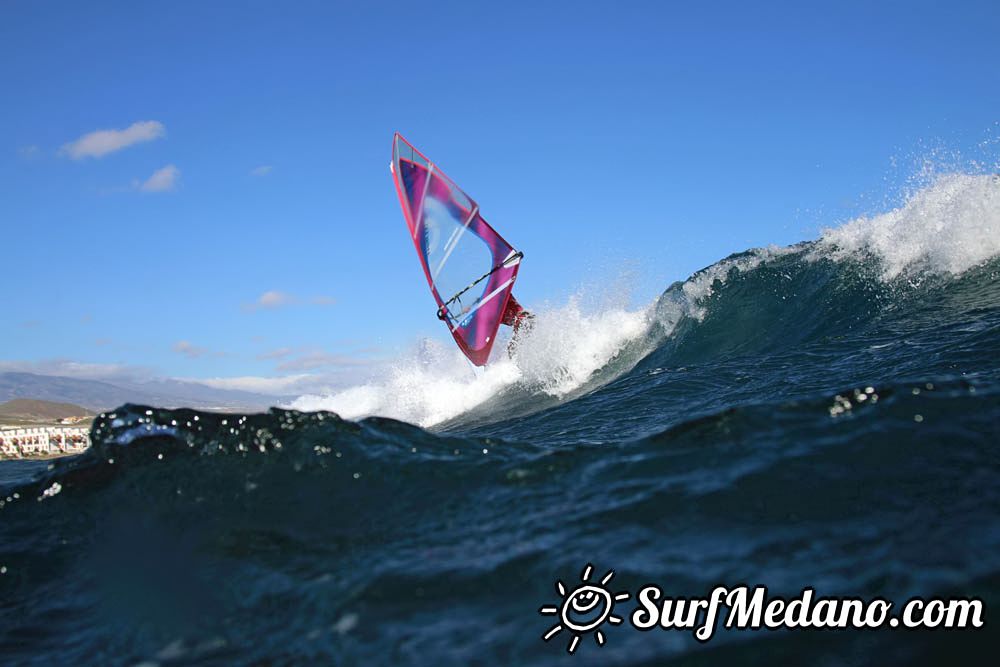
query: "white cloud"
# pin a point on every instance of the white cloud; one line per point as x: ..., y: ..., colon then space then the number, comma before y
x: 76, y: 369
x: 188, y: 349
x: 316, y: 360
x: 280, y: 353
x: 288, y: 384
x: 278, y: 299
x: 262, y: 170
x: 295, y: 384
x: 274, y: 299
x: 271, y: 299
x: 102, y: 142
x: 162, y: 180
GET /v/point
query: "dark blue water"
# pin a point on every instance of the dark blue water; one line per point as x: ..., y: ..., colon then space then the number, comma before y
x: 822, y: 422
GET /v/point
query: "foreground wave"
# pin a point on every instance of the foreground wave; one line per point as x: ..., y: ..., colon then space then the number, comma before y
x: 823, y: 415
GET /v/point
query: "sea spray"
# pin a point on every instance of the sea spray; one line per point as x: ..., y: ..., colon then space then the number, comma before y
x: 560, y: 352
x: 948, y: 227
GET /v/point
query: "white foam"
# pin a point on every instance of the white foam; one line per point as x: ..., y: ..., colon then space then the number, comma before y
x: 425, y: 388
x: 948, y: 227
x: 435, y: 383
x: 566, y: 345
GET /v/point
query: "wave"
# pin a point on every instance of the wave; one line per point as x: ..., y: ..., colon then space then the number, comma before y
x: 178, y: 534
x: 946, y: 228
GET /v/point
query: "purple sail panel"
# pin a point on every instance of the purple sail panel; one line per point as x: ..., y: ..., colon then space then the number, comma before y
x: 469, y: 267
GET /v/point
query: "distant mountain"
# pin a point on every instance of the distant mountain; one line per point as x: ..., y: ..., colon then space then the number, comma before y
x: 99, y: 396
x: 26, y: 409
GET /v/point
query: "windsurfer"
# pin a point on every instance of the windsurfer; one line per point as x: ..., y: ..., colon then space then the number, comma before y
x: 516, y: 317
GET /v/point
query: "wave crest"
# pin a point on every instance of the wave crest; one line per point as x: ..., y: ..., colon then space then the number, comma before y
x: 948, y: 227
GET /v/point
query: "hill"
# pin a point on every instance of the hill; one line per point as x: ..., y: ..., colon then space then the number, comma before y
x: 99, y: 395
x: 26, y: 409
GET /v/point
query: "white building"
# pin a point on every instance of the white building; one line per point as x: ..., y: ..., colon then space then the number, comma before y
x: 42, y: 440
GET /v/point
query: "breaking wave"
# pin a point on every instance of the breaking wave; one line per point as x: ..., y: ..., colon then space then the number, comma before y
x: 947, y: 227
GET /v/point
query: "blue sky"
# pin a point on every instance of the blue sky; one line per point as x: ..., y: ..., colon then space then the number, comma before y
x: 246, y: 225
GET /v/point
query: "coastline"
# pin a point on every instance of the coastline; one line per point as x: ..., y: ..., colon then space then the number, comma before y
x: 40, y: 457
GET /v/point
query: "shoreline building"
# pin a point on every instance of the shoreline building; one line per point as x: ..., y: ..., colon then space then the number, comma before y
x: 42, y: 441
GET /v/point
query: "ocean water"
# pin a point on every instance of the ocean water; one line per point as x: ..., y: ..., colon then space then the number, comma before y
x: 824, y: 415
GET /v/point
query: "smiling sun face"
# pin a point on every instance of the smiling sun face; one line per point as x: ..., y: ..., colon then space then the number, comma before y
x: 584, y: 609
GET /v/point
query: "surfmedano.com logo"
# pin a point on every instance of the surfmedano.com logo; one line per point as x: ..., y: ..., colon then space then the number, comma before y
x: 586, y: 608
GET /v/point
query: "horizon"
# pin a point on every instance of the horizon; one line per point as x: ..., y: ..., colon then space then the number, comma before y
x: 204, y: 195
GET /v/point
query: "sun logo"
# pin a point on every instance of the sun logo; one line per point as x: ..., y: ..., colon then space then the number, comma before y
x: 584, y: 609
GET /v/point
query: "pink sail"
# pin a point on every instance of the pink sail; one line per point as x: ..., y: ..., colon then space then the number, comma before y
x: 470, y: 268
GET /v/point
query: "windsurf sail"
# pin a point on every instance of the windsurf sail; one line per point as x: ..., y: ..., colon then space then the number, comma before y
x: 469, y: 267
